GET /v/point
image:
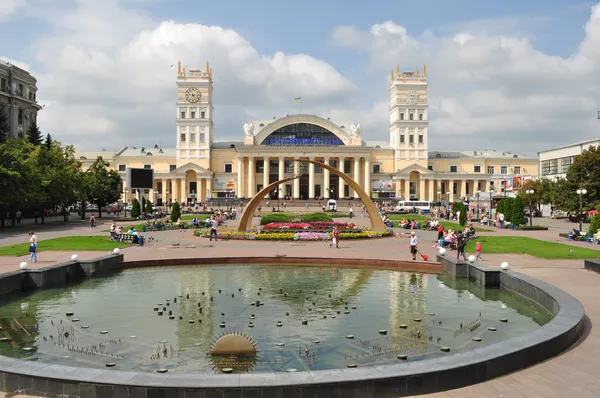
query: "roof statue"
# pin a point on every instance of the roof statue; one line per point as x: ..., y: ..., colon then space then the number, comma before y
x: 355, y: 129
x: 249, y: 129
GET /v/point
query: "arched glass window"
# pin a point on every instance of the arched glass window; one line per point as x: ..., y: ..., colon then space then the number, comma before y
x: 303, y: 134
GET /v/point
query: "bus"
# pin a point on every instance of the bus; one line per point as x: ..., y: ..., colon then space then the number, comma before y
x: 421, y: 206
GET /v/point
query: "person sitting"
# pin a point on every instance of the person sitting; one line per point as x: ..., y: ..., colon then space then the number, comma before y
x: 485, y: 220
x: 169, y: 224
x: 195, y: 222
x: 116, y: 233
x: 596, y: 237
x: 179, y: 223
x: 574, y: 234
x: 207, y: 223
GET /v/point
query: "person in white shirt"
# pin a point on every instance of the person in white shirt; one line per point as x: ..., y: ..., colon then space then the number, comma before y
x: 413, y: 245
x: 33, y: 245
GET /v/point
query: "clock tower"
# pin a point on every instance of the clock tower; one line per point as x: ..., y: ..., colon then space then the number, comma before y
x: 194, y: 119
x: 408, y: 117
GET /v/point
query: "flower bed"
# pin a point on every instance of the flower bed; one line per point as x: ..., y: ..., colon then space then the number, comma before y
x: 232, y: 234
x: 308, y: 225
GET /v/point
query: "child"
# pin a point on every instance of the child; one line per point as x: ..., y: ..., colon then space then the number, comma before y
x: 478, y: 249
x: 336, y: 237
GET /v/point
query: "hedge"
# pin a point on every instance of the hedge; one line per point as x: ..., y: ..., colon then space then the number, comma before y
x: 315, y: 217
x: 276, y: 217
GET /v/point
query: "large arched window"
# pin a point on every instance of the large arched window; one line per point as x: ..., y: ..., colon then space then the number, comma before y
x: 304, y: 134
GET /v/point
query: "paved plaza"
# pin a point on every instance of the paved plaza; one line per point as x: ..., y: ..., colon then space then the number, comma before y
x: 573, y: 373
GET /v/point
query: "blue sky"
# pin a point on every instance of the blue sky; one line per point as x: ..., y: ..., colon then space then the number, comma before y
x: 515, y: 51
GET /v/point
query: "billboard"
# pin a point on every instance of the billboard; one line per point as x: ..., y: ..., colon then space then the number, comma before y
x: 140, y: 178
x: 508, y: 184
x: 382, y: 184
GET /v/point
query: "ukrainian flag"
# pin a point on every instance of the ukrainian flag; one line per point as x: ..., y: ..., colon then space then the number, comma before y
x: 298, y: 99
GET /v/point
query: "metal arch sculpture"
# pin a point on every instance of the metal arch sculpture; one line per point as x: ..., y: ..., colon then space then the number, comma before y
x: 376, y: 221
x: 246, y: 219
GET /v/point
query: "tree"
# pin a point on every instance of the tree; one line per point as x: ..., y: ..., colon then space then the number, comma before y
x: 585, y: 173
x: 175, y: 212
x: 136, y: 211
x: 18, y: 177
x: 594, y: 225
x: 4, y: 125
x: 531, y: 185
x: 34, y: 135
x: 104, y: 184
x: 564, y: 195
x: 518, y: 215
x: 49, y: 141
x: 148, y: 208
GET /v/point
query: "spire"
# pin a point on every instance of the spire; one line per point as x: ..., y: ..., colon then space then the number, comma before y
x: 417, y: 71
x: 425, y: 70
x: 207, y: 67
x: 398, y: 69
x: 210, y: 73
x: 392, y: 75
x: 179, y: 67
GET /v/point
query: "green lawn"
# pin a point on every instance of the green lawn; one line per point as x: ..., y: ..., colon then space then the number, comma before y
x: 534, y: 247
x: 70, y: 243
x: 446, y: 224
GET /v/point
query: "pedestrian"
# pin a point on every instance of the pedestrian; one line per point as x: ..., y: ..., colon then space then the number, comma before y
x: 478, y: 249
x: 33, y: 245
x: 460, y: 246
x: 414, y: 244
x: 335, y: 237
x: 93, y: 221
x: 351, y: 212
x: 213, y: 228
x: 18, y: 216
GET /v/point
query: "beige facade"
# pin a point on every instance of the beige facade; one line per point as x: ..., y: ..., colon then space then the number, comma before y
x: 201, y: 168
x: 18, y: 98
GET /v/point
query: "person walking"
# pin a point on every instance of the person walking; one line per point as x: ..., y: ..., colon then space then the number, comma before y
x: 213, y: 228
x: 351, y: 212
x: 33, y: 245
x: 414, y: 244
x: 478, y: 249
x: 18, y: 216
x: 92, y: 221
x: 335, y: 237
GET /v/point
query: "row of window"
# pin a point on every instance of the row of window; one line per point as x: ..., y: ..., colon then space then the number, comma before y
x: 19, y: 90
x: 411, y: 139
x: 490, y: 169
x: 192, y: 115
x: 411, y: 116
x: 202, y: 136
x: 555, y: 166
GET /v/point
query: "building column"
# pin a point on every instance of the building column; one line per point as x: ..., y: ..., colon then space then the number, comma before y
x: 368, y: 176
x: 475, y: 187
x: 326, y: 179
x: 431, y: 196
x: 209, y: 188
x: 266, y: 172
x: 281, y: 166
x: 182, y: 184
x: 200, y: 192
x: 451, y: 190
x: 251, y: 171
x: 240, y: 178
x: 296, y: 189
x: 341, y: 182
x: 356, y: 174
x: 173, y: 190
x: 311, y: 179
x: 461, y: 189
x: 421, y: 188
x: 407, y: 188
x: 488, y: 185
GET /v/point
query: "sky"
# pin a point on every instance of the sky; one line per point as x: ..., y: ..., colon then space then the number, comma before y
x: 509, y: 75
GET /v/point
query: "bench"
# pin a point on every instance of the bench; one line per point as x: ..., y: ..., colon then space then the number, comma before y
x: 580, y: 238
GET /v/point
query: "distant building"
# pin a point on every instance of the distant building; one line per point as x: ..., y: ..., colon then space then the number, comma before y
x: 554, y: 163
x: 18, y: 97
x: 199, y: 167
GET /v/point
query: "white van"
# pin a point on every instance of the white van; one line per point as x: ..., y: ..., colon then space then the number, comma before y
x: 332, y: 205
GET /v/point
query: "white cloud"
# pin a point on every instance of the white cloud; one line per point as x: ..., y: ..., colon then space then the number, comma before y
x: 9, y: 7
x: 107, y: 73
x: 493, y: 90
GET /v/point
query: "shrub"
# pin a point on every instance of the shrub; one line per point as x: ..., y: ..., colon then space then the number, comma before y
x: 314, y: 217
x: 276, y: 217
x: 460, y: 206
x: 518, y: 214
x: 148, y: 207
x: 594, y: 224
x: 136, y: 210
x: 175, y: 212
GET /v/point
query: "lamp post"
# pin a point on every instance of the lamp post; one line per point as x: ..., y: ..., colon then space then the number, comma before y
x: 477, y: 198
x: 530, y: 192
x: 491, y: 201
x: 581, y: 192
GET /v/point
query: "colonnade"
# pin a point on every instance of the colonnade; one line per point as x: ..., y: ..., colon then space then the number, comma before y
x: 177, y: 189
x: 249, y: 180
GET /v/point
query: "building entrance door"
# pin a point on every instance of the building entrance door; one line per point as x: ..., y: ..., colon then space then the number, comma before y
x: 304, y: 187
x: 333, y: 186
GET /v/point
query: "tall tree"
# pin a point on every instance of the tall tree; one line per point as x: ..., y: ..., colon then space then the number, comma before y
x: 148, y: 207
x: 34, y: 135
x: 518, y: 214
x: 104, y: 184
x: 135, y: 208
x: 4, y: 126
x: 585, y: 173
x: 18, y: 178
x: 48, y: 141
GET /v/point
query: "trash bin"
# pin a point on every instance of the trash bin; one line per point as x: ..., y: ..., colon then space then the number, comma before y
x: 141, y: 240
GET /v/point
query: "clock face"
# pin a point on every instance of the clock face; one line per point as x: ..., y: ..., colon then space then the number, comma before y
x: 193, y: 94
x: 411, y: 97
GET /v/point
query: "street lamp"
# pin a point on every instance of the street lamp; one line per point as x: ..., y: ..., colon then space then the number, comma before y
x: 530, y: 192
x: 477, y: 197
x: 439, y: 198
x: 580, y: 192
